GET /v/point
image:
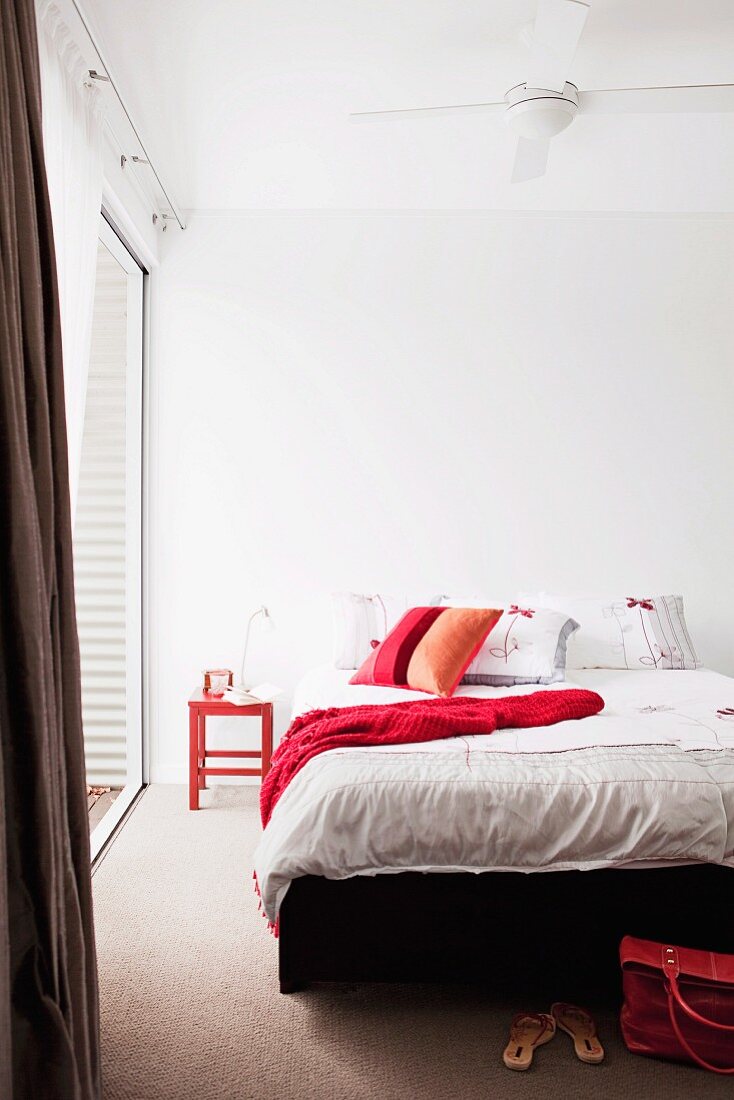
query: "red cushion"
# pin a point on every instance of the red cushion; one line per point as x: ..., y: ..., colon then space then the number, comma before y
x: 429, y: 649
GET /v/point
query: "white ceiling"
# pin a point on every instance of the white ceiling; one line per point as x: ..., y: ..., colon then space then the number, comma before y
x: 244, y: 103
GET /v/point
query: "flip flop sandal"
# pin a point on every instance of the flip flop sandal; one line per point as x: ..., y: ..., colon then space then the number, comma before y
x: 577, y: 1023
x: 527, y: 1031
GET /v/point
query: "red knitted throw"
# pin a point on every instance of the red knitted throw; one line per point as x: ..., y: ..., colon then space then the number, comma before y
x: 409, y: 723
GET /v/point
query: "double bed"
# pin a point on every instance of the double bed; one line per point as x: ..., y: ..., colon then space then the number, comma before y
x: 406, y: 862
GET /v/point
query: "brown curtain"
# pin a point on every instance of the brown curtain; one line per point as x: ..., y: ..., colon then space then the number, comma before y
x: 49, y: 1046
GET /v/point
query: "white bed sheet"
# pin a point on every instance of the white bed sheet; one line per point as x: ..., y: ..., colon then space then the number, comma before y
x: 648, y: 782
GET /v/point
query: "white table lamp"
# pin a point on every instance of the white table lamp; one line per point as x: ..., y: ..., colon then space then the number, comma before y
x: 267, y: 623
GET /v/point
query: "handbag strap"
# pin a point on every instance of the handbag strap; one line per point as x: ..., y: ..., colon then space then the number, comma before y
x: 687, y: 1047
x: 671, y: 969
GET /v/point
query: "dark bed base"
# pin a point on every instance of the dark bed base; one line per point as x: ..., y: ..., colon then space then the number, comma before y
x: 555, y: 934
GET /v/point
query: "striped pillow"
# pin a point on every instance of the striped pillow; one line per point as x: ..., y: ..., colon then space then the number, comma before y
x: 429, y: 649
x: 627, y: 632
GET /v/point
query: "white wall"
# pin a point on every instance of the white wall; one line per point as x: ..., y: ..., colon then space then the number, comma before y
x: 430, y: 402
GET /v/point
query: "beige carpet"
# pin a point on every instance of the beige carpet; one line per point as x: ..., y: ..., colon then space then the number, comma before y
x: 191, y: 1008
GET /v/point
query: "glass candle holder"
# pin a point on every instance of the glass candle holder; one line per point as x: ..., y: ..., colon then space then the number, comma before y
x: 217, y: 680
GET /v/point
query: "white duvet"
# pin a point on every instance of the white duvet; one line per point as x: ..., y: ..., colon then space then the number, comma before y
x: 649, y: 781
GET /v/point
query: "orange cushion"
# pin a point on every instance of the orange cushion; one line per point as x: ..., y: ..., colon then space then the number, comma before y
x: 448, y: 648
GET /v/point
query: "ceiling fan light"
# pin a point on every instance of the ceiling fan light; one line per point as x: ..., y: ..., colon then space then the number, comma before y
x: 538, y: 114
x: 532, y: 121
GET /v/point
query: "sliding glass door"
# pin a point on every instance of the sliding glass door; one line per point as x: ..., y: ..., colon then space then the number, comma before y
x: 107, y: 541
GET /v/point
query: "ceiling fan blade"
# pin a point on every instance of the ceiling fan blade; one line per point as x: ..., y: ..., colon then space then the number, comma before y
x: 430, y: 112
x: 676, y: 98
x: 531, y: 158
x: 558, y: 27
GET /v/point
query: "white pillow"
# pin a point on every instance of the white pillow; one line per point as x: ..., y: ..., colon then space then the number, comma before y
x: 527, y: 645
x: 358, y: 621
x: 627, y: 632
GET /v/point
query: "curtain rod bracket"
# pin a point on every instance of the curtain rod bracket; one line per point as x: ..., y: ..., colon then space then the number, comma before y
x: 94, y: 75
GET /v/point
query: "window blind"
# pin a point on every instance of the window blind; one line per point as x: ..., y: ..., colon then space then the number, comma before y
x: 99, y: 533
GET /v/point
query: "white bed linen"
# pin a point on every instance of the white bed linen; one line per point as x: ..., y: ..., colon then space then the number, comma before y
x: 649, y: 781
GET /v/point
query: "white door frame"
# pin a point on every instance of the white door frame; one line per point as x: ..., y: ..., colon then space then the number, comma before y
x: 133, y: 537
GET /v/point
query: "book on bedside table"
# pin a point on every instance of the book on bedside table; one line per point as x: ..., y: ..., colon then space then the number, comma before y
x: 242, y: 697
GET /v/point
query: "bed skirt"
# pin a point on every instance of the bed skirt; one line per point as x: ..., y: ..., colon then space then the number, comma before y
x: 553, y: 935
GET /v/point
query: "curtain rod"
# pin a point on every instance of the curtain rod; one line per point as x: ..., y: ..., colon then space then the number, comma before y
x: 146, y: 159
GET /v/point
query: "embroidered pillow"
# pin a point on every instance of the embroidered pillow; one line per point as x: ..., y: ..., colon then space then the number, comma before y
x: 527, y: 646
x: 429, y: 649
x: 627, y: 632
x: 358, y: 621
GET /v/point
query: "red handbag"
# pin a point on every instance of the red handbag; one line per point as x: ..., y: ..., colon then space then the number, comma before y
x: 678, y: 1003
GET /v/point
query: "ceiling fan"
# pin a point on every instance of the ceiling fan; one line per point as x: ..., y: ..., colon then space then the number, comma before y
x: 546, y: 103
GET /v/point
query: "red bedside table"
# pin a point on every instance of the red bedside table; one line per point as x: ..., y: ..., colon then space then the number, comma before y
x: 200, y: 706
